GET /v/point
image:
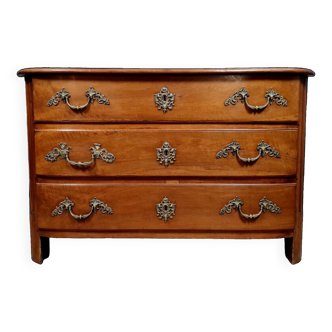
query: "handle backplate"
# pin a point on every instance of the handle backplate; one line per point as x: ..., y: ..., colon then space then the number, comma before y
x: 95, y: 205
x: 91, y: 94
x: 63, y: 152
x: 234, y: 148
x: 243, y: 94
x: 237, y: 204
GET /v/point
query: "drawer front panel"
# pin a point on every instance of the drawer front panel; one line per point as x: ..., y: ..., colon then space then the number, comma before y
x: 199, y: 98
x: 197, y: 207
x: 135, y: 152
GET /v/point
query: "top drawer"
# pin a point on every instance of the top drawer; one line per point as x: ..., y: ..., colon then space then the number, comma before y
x: 198, y: 98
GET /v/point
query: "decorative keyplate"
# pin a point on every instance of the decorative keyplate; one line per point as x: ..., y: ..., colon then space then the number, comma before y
x: 166, y: 154
x: 164, y: 100
x: 165, y: 209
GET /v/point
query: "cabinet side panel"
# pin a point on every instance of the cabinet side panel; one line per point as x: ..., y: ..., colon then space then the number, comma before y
x: 293, y: 246
x: 37, y: 244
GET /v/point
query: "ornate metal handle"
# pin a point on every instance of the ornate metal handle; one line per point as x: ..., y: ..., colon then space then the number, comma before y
x: 95, y: 204
x: 243, y: 94
x: 91, y: 94
x: 63, y: 152
x: 236, y: 204
x: 262, y: 149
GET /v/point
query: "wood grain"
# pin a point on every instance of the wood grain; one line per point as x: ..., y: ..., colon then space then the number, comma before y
x: 134, y: 207
x: 170, y: 234
x: 36, y: 250
x: 198, y: 98
x: 293, y: 245
x: 135, y: 152
x: 199, y: 125
x: 158, y: 71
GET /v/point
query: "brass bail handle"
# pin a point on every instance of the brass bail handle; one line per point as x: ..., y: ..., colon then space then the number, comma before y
x: 237, y: 204
x: 96, y: 151
x: 95, y: 205
x: 243, y: 95
x: 91, y: 94
x: 234, y: 148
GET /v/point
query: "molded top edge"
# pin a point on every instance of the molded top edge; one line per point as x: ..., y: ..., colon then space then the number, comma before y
x: 222, y: 71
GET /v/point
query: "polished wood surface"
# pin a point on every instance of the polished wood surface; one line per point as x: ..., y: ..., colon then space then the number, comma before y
x: 135, y: 151
x: 40, y: 246
x: 134, y: 207
x: 198, y: 98
x: 158, y: 71
x: 199, y: 125
x: 174, y: 234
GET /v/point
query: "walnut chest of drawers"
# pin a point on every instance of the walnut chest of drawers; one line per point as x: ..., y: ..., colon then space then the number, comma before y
x: 166, y: 153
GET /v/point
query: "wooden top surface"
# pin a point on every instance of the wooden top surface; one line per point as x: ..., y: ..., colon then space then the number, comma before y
x: 186, y: 71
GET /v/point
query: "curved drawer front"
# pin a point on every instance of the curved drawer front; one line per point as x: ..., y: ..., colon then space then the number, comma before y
x: 187, y: 98
x: 164, y: 207
x: 166, y: 152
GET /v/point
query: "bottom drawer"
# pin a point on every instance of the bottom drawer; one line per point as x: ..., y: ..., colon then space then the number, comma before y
x: 165, y: 207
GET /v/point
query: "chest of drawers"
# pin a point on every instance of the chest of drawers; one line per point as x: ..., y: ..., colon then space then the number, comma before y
x: 166, y: 153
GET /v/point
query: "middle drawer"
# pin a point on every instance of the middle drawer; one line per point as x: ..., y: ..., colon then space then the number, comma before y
x: 160, y: 151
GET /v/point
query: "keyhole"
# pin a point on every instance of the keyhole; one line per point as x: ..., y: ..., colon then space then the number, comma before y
x: 166, y: 152
x: 164, y: 97
x: 165, y: 207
